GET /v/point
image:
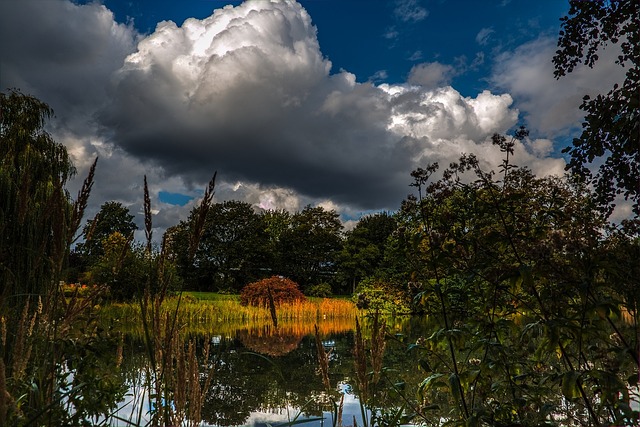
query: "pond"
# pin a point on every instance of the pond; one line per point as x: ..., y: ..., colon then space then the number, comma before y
x: 266, y: 375
x: 260, y: 374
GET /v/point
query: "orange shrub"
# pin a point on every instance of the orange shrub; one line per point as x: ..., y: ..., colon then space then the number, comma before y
x: 282, y: 291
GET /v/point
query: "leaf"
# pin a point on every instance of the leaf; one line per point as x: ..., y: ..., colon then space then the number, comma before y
x: 570, y: 387
x: 456, y: 389
x: 427, y: 383
x: 424, y: 365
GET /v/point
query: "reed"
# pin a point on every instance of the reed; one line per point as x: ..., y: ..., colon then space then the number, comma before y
x: 229, y: 311
x: 323, y: 360
x: 4, y: 394
x: 173, y: 370
x: 173, y: 375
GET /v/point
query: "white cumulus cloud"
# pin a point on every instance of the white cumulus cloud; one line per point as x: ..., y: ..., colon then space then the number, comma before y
x: 551, y: 106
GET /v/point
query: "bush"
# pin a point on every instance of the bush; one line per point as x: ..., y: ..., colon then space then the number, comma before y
x: 321, y: 290
x: 377, y: 294
x: 282, y: 291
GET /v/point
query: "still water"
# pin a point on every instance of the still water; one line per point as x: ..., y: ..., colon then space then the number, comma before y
x: 263, y: 375
x: 266, y: 375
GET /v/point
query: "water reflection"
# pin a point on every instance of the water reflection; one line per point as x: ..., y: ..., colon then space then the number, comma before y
x: 268, y: 375
x: 265, y: 375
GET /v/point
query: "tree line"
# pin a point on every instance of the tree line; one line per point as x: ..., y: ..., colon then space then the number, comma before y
x: 239, y: 244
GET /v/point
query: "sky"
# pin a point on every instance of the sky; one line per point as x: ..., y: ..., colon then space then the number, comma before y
x: 326, y: 103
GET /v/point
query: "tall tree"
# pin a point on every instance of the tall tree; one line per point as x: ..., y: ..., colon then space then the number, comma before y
x: 38, y: 221
x: 363, y: 248
x: 309, y: 247
x: 611, y: 128
x: 36, y: 212
x: 113, y: 217
x: 232, y: 249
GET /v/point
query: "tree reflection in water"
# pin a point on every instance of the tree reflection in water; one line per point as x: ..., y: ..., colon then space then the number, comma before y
x: 266, y: 374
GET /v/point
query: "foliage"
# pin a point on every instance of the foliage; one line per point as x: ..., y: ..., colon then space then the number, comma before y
x: 36, y: 212
x: 275, y: 289
x: 65, y: 375
x: 612, y: 123
x: 112, y: 218
x: 363, y: 249
x: 307, y: 249
x: 239, y: 245
x: 51, y: 350
x: 77, y: 289
x: 232, y: 248
x: 380, y: 295
x: 321, y: 290
x: 127, y: 268
x: 516, y: 270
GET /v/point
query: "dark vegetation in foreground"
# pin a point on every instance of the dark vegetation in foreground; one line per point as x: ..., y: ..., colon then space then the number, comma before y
x: 534, y: 290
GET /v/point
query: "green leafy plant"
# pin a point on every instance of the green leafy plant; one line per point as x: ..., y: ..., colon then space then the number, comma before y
x: 515, y: 270
x: 381, y: 295
x: 321, y: 290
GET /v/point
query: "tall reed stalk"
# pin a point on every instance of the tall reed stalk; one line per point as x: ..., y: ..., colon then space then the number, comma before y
x: 175, y: 391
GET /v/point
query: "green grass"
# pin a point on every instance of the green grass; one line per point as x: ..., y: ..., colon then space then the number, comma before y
x: 210, y: 296
x: 218, y: 312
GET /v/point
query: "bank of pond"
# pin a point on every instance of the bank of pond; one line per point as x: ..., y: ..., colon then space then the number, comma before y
x: 203, y: 359
x: 207, y: 360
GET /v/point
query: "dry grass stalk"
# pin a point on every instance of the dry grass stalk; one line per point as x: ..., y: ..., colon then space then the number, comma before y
x: 173, y: 373
x: 4, y: 394
x: 378, y: 345
x: 340, y: 410
x: 198, y: 228
x: 174, y: 369
x: 272, y: 308
x: 3, y: 333
x: 360, y: 360
x: 119, y: 351
x: 323, y: 360
x: 80, y: 204
x: 20, y: 345
x: 148, y: 231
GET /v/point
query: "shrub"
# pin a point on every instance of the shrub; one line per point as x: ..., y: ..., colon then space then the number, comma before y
x: 377, y: 294
x: 321, y: 290
x: 282, y: 291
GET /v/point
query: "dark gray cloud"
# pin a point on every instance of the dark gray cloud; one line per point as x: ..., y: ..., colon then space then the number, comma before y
x: 62, y: 53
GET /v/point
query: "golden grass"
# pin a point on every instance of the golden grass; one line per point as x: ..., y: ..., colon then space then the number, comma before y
x: 224, y: 316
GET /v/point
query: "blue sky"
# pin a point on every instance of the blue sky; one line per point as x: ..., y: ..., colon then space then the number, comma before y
x: 370, y: 37
x: 321, y: 102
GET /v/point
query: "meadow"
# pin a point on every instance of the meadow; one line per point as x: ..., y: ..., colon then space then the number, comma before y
x: 208, y: 312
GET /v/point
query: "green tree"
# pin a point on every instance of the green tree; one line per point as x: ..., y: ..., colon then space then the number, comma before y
x: 516, y: 272
x: 233, y: 248
x: 113, y: 217
x: 277, y: 224
x: 611, y: 130
x: 308, y: 248
x: 363, y: 248
x: 36, y: 213
x: 51, y: 351
x: 123, y: 267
